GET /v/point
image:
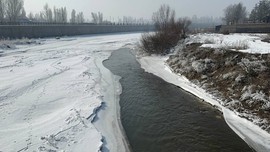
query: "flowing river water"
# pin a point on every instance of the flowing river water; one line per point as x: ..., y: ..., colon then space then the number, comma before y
x: 160, y: 117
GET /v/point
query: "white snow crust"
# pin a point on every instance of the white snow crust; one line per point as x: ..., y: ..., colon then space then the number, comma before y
x: 50, y: 95
x: 253, y: 135
x: 251, y: 41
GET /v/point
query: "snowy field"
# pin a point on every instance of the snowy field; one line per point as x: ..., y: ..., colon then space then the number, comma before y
x: 51, y: 90
x: 50, y: 93
x: 248, y: 43
x: 257, y: 138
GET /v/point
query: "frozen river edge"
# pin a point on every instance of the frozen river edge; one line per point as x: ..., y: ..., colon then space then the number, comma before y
x: 114, y: 138
x: 56, y: 95
x: 253, y: 135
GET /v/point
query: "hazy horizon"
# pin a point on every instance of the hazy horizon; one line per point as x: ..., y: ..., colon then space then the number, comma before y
x: 139, y: 8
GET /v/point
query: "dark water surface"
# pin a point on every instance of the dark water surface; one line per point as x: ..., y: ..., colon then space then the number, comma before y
x: 160, y: 117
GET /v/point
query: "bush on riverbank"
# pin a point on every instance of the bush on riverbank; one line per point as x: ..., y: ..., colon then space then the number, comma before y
x: 168, y: 32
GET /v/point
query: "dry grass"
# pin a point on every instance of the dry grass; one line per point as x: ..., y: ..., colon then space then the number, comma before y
x: 209, y: 41
x: 238, y: 45
x: 266, y: 38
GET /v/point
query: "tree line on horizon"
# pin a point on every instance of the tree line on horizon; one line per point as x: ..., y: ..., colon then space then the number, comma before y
x: 13, y: 11
x: 237, y: 13
x: 169, y: 30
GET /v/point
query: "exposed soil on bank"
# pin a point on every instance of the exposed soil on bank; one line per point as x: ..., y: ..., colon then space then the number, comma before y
x: 240, y: 80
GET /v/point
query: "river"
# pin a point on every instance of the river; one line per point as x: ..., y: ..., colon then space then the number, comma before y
x: 161, y: 117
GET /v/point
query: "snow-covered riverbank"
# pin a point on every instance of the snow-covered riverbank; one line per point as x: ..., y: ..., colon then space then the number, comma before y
x: 50, y: 94
x: 251, y: 133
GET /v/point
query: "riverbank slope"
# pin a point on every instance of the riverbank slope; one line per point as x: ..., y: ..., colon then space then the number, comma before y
x: 256, y: 137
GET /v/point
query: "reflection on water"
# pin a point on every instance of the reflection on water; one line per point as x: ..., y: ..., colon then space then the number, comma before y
x: 160, y: 117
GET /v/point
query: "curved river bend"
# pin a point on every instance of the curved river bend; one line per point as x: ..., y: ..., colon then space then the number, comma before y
x: 160, y: 117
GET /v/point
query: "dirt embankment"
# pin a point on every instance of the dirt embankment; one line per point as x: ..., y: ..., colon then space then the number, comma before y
x: 240, y: 80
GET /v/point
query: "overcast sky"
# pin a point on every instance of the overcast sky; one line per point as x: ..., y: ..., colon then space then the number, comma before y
x: 139, y: 8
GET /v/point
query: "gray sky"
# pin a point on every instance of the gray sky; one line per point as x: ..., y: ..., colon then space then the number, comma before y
x: 139, y: 8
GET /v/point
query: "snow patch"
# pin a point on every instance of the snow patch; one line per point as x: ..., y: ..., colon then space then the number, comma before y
x: 50, y: 95
x: 248, y: 43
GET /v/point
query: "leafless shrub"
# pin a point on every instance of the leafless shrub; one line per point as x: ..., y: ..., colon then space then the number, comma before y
x: 168, y: 33
x: 225, y: 32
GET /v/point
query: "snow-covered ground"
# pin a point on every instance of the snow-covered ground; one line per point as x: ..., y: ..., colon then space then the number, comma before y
x: 257, y: 138
x: 50, y: 93
x: 249, y: 43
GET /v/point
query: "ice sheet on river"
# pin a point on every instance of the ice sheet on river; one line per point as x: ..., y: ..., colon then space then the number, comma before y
x: 49, y: 94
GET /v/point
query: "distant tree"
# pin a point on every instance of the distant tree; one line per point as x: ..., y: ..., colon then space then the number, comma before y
x: 23, y: 14
x: 94, y: 17
x: 56, y: 14
x: 129, y: 20
x: 97, y: 18
x: 39, y: 17
x: 254, y: 14
x: 184, y: 25
x: 48, y: 14
x: 260, y: 11
x: 80, y: 18
x: 73, y: 16
x: 100, y: 17
x: 60, y: 15
x: 2, y: 10
x: 234, y: 14
x: 14, y: 9
x: 64, y: 15
x: 31, y: 16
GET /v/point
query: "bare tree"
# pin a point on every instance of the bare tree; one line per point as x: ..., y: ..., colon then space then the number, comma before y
x: 39, y: 17
x: 168, y: 32
x: 184, y: 25
x: 261, y: 11
x: 94, y: 17
x: 163, y: 16
x: 60, y: 15
x: 64, y: 15
x: 100, y: 18
x: 2, y: 10
x: 240, y: 13
x: 97, y: 18
x: 73, y: 16
x: 80, y: 17
x: 129, y: 20
x: 31, y: 16
x: 23, y: 14
x: 234, y: 14
x: 14, y: 9
x: 56, y: 14
x: 48, y: 15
